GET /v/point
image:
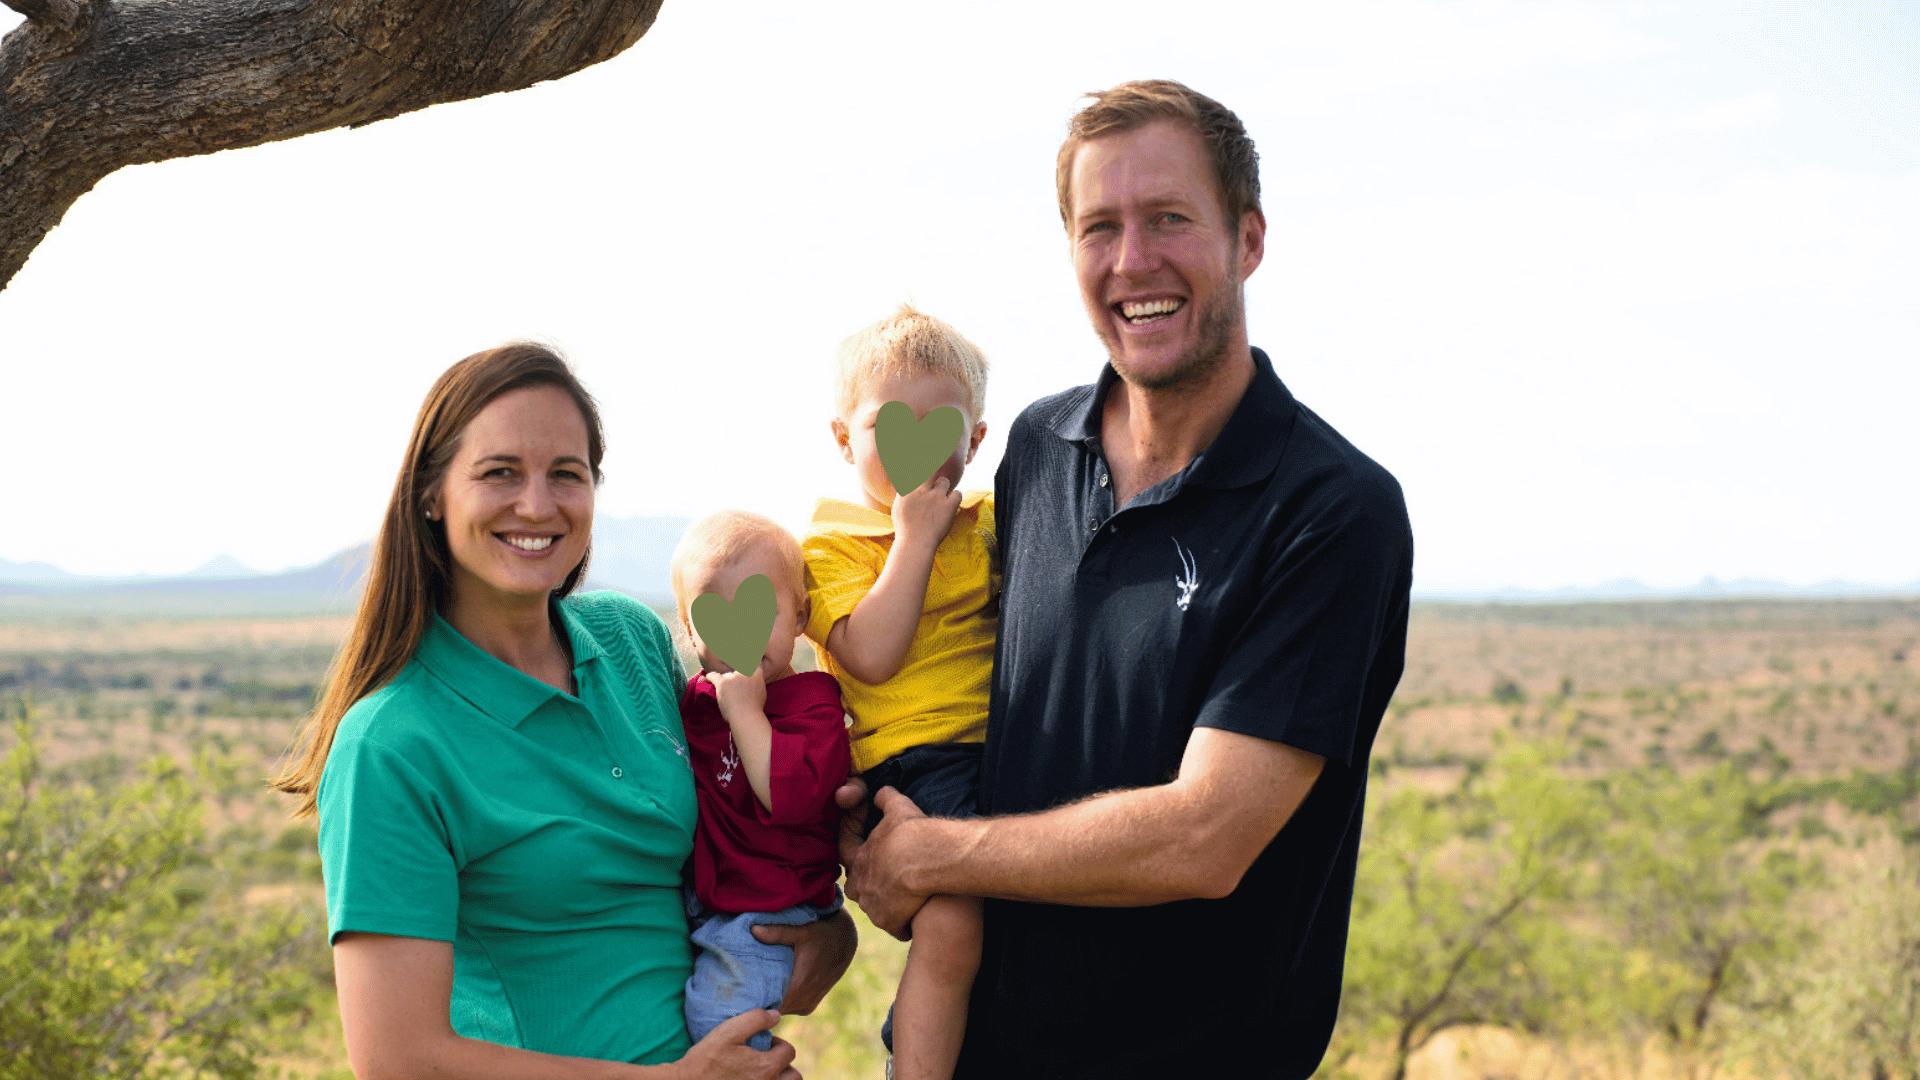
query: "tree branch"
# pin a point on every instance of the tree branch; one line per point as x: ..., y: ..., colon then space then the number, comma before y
x: 64, y: 14
x: 136, y: 81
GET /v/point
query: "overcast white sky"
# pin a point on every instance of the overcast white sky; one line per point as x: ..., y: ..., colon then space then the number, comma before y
x: 1617, y: 290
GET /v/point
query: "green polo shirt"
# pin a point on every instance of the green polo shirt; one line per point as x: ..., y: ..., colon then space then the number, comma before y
x: 541, y: 833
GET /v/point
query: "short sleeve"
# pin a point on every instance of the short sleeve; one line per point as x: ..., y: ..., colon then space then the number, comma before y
x: 809, y: 758
x: 384, y: 847
x: 840, y: 570
x: 1299, y: 669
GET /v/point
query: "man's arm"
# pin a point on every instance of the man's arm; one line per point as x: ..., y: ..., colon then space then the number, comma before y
x: 1194, y: 836
x: 822, y: 951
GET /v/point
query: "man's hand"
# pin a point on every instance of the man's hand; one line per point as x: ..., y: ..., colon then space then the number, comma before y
x: 851, y: 798
x: 1194, y: 836
x: 874, y: 867
x: 922, y: 516
x: 821, y: 952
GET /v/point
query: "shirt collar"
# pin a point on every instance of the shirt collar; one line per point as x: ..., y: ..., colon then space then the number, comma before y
x: 1247, y: 449
x: 859, y: 520
x: 498, y: 689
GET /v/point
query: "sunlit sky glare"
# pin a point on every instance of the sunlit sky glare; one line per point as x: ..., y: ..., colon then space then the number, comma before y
x: 1617, y: 290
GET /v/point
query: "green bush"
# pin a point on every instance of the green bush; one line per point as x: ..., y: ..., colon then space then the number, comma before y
x: 119, y: 962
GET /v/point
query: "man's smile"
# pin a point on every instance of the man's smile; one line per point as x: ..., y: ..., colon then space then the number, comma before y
x: 1148, y: 312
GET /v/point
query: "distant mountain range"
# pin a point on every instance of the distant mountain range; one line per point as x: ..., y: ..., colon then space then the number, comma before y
x: 632, y: 555
x: 1707, y: 588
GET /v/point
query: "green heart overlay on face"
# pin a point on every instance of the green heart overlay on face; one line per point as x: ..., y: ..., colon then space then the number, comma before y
x: 913, y: 450
x: 737, y: 632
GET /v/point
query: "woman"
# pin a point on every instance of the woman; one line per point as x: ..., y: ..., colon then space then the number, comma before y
x: 500, y: 775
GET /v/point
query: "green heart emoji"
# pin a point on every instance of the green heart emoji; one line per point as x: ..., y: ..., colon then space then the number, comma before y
x: 913, y: 450
x: 737, y: 632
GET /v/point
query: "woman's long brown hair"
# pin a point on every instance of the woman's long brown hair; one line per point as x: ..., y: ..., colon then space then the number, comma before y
x: 411, y: 573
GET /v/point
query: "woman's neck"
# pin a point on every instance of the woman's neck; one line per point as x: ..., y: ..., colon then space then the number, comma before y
x: 517, y: 631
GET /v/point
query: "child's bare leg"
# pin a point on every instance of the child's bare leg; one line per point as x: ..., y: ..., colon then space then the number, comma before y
x: 930, y: 1012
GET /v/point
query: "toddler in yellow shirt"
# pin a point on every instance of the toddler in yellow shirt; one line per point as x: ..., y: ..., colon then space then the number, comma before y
x: 902, y: 589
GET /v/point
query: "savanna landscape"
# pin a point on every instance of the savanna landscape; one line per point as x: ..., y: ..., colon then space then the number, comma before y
x: 1650, y: 840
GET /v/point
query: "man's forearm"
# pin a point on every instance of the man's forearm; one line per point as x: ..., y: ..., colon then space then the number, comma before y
x: 1122, y: 849
x: 1192, y: 837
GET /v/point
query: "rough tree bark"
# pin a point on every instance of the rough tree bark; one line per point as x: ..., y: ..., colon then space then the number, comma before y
x: 89, y: 86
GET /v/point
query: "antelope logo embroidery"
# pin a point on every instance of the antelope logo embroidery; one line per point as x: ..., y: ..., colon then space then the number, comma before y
x: 729, y: 761
x: 1191, y: 579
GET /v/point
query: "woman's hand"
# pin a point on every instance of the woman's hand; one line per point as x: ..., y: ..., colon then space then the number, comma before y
x: 725, y: 1055
x: 821, y: 952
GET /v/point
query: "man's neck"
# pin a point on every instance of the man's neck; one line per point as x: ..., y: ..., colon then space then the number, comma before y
x: 1149, y: 435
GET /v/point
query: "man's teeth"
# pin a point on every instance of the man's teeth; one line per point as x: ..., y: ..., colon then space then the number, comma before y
x: 1142, y: 310
x: 530, y: 543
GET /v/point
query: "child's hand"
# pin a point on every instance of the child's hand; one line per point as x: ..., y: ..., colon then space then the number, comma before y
x: 923, y: 516
x: 739, y: 694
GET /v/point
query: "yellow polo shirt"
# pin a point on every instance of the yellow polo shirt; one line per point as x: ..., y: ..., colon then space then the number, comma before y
x: 939, y: 695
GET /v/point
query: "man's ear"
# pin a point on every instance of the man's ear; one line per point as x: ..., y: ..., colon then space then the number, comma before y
x: 1253, y: 242
x: 843, y: 439
x: 973, y: 443
x: 803, y: 613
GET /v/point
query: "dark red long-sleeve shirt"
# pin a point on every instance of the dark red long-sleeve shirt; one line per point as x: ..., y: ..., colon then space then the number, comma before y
x: 745, y: 857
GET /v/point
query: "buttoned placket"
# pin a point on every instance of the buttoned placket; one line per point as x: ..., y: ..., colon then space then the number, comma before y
x: 1099, y: 501
x: 592, y: 723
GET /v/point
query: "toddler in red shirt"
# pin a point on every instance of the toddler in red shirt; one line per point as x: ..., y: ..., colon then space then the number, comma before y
x: 768, y: 747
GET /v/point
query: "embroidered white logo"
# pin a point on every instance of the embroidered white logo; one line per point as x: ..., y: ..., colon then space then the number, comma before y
x: 668, y: 735
x: 729, y: 761
x: 1190, y: 581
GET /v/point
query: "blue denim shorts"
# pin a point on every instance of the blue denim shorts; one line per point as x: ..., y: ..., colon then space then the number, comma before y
x: 734, y: 971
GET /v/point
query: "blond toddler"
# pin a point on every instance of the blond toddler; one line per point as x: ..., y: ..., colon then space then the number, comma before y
x: 902, y: 591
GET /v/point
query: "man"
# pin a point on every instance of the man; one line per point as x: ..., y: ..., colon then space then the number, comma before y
x: 1204, y: 614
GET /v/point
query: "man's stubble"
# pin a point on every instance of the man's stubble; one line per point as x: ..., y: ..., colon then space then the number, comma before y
x: 1195, y: 367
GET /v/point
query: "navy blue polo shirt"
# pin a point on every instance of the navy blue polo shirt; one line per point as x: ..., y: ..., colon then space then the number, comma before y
x: 1262, y: 589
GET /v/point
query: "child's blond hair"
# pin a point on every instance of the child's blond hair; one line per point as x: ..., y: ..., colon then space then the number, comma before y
x: 905, y: 344
x: 719, y: 540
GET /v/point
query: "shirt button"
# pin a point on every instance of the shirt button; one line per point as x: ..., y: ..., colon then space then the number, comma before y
x: 1093, y: 524
x: 1103, y: 479
x: 616, y: 772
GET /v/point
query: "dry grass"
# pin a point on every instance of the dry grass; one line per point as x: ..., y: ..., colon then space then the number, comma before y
x: 1809, y: 689
x: 1820, y: 688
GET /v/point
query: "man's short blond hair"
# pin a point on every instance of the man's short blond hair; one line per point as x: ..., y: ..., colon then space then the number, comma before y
x: 722, y: 539
x: 1133, y: 105
x: 906, y: 344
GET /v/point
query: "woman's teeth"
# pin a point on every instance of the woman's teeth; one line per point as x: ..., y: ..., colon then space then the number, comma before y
x: 530, y: 543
